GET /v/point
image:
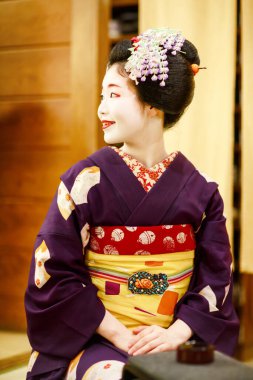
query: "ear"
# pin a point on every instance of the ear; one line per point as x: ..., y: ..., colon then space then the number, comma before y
x: 152, y: 111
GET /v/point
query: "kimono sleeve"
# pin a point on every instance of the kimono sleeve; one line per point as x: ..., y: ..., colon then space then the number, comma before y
x: 62, y: 307
x: 207, y: 306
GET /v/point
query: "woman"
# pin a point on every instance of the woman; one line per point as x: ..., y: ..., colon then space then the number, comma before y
x: 133, y: 257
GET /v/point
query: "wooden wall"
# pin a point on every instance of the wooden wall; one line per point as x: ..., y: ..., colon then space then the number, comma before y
x: 51, y: 56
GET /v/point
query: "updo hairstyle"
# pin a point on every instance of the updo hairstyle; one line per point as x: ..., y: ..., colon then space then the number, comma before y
x: 178, y: 91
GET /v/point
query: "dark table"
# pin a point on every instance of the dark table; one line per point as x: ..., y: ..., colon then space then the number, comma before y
x: 164, y: 366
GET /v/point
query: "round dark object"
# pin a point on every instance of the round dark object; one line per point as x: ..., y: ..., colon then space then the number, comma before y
x: 194, y: 352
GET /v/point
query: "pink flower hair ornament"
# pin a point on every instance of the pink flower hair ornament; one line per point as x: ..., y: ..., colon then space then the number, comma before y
x: 149, y: 54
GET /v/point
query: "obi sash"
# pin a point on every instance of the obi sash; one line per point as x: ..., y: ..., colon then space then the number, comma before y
x: 136, y: 288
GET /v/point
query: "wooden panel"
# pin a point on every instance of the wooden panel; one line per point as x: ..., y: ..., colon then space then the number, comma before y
x: 34, y: 124
x: 14, y: 267
x: 26, y: 174
x: 245, y: 351
x: 20, y: 222
x: 103, y: 48
x: 19, y: 226
x: 34, y: 71
x: 34, y: 22
x: 85, y: 78
x: 13, y: 317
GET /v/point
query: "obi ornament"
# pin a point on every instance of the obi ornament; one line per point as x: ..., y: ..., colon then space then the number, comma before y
x: 147, y: 283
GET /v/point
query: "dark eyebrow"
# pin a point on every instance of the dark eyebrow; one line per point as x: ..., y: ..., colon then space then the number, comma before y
x: 113, y: 85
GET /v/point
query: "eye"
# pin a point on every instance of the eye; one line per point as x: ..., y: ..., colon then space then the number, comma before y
x: 101, y: 97
x: 113, y: 95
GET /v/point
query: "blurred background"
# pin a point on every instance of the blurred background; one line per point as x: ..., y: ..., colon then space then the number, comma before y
x: 53, y: 57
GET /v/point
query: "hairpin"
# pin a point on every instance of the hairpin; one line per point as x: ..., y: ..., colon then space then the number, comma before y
x: 149, y: 54
x: 196, y: 68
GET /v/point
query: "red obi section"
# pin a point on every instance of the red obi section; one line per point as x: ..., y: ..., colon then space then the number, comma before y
x: 148, y: 240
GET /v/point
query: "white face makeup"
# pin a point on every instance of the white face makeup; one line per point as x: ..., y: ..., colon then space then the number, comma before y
x: 122, y: 115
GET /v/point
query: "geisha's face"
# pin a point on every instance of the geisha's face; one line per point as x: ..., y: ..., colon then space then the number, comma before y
x: 122, y: 115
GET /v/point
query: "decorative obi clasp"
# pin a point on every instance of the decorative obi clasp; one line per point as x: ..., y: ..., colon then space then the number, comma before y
x: 147, y: 283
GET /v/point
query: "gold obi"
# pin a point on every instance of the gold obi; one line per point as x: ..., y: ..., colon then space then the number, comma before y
x: 141, y: 289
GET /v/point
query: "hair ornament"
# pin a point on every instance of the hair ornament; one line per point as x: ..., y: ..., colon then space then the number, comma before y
x: 196, y: 68
x: 149, y: 54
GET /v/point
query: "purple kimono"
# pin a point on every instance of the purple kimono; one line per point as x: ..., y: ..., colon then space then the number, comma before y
x: 62, y: 306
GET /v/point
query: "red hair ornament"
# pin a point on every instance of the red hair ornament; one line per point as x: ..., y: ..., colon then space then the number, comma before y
x: 196, y: 68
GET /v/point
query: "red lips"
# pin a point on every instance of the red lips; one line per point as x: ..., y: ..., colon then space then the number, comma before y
x: 107, y: 123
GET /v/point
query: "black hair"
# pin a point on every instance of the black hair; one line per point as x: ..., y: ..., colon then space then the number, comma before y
x: 178, y: 91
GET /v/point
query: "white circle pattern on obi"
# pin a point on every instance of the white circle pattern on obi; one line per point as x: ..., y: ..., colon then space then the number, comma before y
x: 94, y: 244
x: 147, y: 237
x: 131, y: 229
x: 100, y: 232
x: 167, y: 226
x: 142, y: 252
x: 181, y: 237
x: 117, y: 234
x: 110, y: 250
x: 169, y: 242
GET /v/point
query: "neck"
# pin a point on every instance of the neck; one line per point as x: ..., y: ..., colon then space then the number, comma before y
x: 148, y: 152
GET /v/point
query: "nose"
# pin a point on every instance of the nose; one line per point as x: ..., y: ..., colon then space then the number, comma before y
x: 102, y: 109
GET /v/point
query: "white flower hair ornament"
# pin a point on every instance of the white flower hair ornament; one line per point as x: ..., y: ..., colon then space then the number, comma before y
x: 149, y: 54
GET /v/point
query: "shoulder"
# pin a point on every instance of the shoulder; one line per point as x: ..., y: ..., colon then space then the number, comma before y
x: 199, y: 184
x: 206, y: 181
x: 205, y: 178
x: 79, y: 179
x: 83, y: 169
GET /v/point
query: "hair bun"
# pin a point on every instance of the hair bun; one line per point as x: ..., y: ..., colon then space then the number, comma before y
x: 191, y: 53
x: 120, y: 52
